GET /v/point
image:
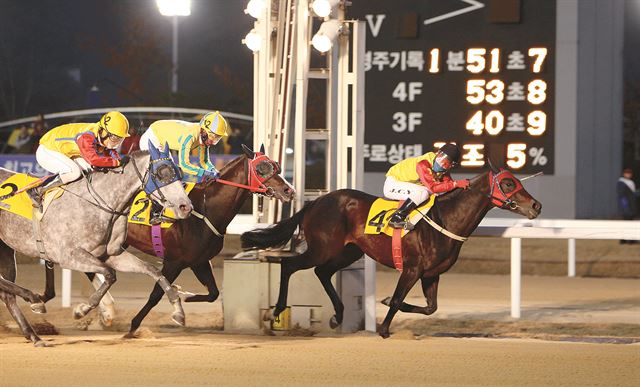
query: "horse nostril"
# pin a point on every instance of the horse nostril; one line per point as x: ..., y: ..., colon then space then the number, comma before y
x: 185, y: 208
x: 537, y: 206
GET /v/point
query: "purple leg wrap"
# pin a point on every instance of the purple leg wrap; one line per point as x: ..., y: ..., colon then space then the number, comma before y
x: 156, y: 240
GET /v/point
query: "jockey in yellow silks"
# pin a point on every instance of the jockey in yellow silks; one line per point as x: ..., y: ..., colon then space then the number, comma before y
x: 69, y: 149
x: 416, y: 178
x: 184, y: 138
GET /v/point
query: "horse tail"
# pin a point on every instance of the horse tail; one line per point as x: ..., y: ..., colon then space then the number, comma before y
x: 276, y: 235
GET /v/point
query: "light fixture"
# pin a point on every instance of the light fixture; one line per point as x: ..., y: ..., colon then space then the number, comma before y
x: 255, y: 8
x: 323, y: 8
x: 174, y: 7
x: 253, y: 40
x: 326, y: 35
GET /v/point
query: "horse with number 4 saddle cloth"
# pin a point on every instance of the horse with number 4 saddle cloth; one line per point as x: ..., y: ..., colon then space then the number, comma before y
x: 342, y: 225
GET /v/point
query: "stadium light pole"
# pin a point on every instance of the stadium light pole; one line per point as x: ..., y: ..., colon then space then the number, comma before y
x: 173, y: 9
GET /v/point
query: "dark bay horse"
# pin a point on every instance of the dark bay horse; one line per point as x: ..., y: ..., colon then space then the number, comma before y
x: 191, y: 243
x: 333, y: 226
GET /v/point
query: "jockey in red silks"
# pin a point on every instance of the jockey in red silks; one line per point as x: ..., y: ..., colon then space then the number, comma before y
x: 416, y: 178
x: 69, y: 149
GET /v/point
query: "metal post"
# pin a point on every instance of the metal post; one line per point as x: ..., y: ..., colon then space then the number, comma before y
x: 516, y: 276
x: 571, y: 258
x: 369, y: 294
x: 174, y: 68
x: 66, y: 288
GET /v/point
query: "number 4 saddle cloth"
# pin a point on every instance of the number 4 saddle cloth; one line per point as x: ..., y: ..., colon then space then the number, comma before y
x: 20, y: 203
x: 140, y: 212
x: 382, y: 209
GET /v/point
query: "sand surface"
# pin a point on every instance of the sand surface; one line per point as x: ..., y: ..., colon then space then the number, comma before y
x: 556, y: 308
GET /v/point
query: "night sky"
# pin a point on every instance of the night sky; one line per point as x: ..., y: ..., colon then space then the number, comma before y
x: 53, y: 52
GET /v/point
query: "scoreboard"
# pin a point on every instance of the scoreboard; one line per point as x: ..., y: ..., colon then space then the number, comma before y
x: 479, y: 73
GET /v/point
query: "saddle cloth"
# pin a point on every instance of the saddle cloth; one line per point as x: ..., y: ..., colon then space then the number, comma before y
x: 21, y: 204
x: 140, y: 212
x: 382, y: 209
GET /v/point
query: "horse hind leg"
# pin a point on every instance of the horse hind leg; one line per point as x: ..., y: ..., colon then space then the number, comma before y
x: 350, y: 254
x: 170, y: 272
x: 288, y: 266
x: 34, y: 300
x: 204, y: 274
x: 16, y: 313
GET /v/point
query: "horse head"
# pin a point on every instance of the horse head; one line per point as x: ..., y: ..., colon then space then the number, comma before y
x: 507, y: 192
x: 164, y: 182
x: 265, y: 178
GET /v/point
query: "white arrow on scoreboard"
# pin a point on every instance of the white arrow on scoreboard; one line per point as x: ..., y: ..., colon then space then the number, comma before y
x: 473, y: 5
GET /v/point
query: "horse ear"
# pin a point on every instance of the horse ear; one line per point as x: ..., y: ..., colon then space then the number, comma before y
x: 153, y: 151
x: 493, y: 169
x: 166, y: 152
x: 262, y: 148
x: 250, y: 154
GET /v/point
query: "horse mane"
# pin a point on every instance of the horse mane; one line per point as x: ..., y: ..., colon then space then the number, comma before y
x: 452, y: 195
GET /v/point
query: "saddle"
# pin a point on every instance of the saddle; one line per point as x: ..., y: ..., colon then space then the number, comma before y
x: 382, y: 209
x: 140, y: 212
x: 14, y: 198
x: 378, y: 223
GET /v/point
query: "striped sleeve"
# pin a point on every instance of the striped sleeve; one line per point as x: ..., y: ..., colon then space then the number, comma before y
x: 183, y: 156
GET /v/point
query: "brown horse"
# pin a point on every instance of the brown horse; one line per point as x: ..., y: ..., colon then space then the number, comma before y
x: 192, y: 243
x: 333, y: 226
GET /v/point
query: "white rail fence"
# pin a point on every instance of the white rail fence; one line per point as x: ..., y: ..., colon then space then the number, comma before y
x: 515, y: 229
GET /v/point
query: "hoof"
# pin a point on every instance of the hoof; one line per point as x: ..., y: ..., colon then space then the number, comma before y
x: 38, y: 307
x: 386, y: 301
x: 129, y: 335
x: 384, y: 334
x: 106, y: 316
x: 333, y: 322
x: 178, y: 318
x: 80, y: 311
x: 40, y: 344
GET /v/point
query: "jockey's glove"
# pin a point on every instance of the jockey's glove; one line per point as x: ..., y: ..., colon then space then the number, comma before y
x: 210, y: 175
x: 464, y: 183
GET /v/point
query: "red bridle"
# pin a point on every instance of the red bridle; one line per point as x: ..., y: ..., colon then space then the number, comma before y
x: 257, y: 178
x: 498, y: 197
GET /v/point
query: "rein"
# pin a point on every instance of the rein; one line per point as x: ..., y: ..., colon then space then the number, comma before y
x: 441, y: 229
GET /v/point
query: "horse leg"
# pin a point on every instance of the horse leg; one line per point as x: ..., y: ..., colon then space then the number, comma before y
x: 288, y: 266
x: 204, y: 274
x: 170, y: 270
x: 37, y: 306
x: 350, y: 254
x: 430, y: 291
x: 408, y: 278
x: 129, y: 263
x: 49, y: 282
x: 105, y: 308
x: 16, y: 313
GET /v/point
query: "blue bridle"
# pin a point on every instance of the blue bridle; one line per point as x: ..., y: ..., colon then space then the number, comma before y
x: 162, y: 170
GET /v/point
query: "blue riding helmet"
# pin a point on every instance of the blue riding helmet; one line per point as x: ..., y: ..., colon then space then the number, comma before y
x: 163, y: 171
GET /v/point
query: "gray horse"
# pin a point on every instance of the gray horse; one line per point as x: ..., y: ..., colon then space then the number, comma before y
x: 85, y: 229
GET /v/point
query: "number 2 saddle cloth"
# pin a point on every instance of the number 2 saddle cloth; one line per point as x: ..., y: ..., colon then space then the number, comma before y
x: 140, y: 212
x: 382, y: 209
x: 20, y: 204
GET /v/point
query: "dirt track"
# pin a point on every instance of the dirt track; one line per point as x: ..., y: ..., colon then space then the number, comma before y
x: 203, y: 355
x: 220, y: 359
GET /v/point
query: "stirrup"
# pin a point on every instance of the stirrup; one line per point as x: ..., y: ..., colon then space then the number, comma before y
x: 403, y: 224
x: 159, y: 219
x: 36, y: 198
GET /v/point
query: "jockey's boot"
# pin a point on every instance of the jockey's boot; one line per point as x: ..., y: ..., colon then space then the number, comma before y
x: 399, y: 218
x: 36, y: 193
x: 156, y: 217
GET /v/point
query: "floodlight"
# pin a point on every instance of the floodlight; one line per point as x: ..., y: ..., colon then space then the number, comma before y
x: 174, y: 7
x: 326, y: 35
x: 255, y: 8
x: 323, y: 8
x: 253, y: 40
